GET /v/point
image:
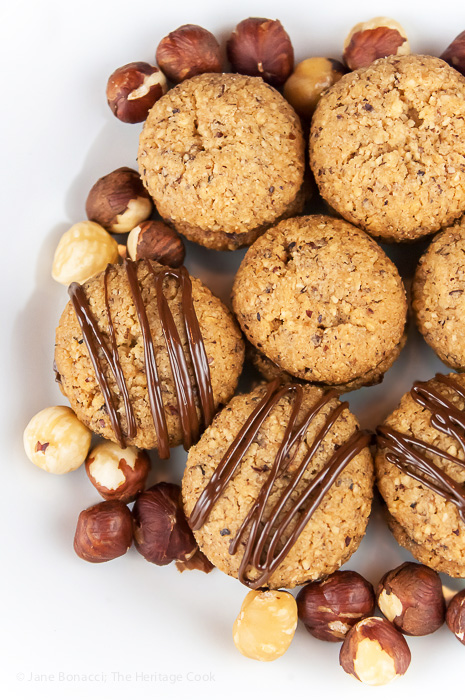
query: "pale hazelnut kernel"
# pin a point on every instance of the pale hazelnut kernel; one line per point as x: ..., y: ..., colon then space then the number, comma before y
x: 119, y: 201
x: 56, y: 441
x: 83, y: 251
x: 265, y: 625
x: 377, y: 38
x: 310, y: 78
x: 117, y: 473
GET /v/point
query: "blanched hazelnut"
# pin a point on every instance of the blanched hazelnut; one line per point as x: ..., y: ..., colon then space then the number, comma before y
x: 261, y: 47
x: 56, y: 441
x: 103, y: 532
x: 331, y: 607
x: 133, y: 89
x: 83, y: 251
x: 377, y: 38
x: 411, y: 597
x: 454, y: 55
x: 189, y: 50
x: 455, y: 617
x: 117, y: 473
x: 119, y: 201
x: 374, y: 652
x: 309, y: 79
x: 265, y: 625
x: 155, y: 240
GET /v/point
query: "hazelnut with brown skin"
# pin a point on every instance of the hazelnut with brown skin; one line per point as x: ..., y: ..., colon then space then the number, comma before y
x: 189, y: 50
x: 117, y: 473
x: 119, y: 201
x: 133, y: 89
x: 454, y: 55
x: 261, y: 47
x: 411, y: 597
x: 374, y: 652
x: 331, y: 607
x: 455, y: 616
x: 310, y: 78
x: 377, y: 38
x: 155, y: 240
x: 103, y: 532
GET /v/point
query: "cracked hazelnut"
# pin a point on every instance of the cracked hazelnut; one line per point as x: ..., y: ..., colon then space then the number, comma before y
x: 83, y: 251
x: 261, y: 47
x: 156, y: 241
x: 189, y: 50
x: 117, y: 473
x: 331, y: 607
x: 377, y: 38
x: 374, y: 652
x: 455, y: 616
x: 310, y: 78
x: 56, y: 441
x: 411, y: 598
x: 133, y: 89
x: 119, y: 201
x: 454, y: 55
x: 103, y: 532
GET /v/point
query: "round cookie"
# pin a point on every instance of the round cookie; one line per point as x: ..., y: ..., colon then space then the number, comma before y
x: 422, y: 481
x: 387, y: 146
x: 223, y: 158
x: 438, y: 295
x: 336, y: 527
x: 321, y: 300
x: 224, y: 350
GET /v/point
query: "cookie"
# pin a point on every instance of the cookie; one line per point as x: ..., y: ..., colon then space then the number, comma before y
x: 223, y: 158
x: 438, y: 295
x: 321, y: 300
x: 387, y: 147
x: 420, y: 469
x: 146, y: 354
x: 292, y: 452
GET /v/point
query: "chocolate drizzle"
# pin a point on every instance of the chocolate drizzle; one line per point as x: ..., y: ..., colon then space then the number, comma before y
x: 98, y: 345
x: 265, y: 536
x: 410, y: 454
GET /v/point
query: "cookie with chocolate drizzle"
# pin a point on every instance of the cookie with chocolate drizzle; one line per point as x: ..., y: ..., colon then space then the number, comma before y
x: 146, y: 354
x: 278, y: 490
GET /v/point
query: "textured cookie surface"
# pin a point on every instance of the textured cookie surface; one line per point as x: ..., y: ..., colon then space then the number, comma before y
x: 387, y: 146
x: 222, y: 156
x: 222, y: 339
x: 334, y: 531
x: 321, y: 300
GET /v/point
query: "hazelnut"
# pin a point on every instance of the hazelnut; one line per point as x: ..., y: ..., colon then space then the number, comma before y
x: 265, y: 625
x: 455, y: 616
x: 119, y: 201
x: 189, y: 50
x: 310, y: 78
x: 374, y: 39
x: 374, y: 652
x: 411, y: 598
x: 83, y: 251
x: 454, y: 55
x: 103, y: 532
x: 331, y: 607
x: 156, y: 241
x: 133, y: 89
x: 117, y: 473
x: 56, y: 441
x: 261, y: 47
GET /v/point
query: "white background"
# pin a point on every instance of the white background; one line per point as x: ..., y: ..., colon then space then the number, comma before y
x: 117, y: 628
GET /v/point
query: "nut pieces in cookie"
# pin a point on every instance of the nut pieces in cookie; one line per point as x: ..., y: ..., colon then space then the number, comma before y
x: 117, y: 473
x: 103, y: 532
x: 156, y: 241
x: 119, y: 201
x: 133, y: 89
x: 455, y: 617
x: 377, y: 38
x: 83, y: 251
x: 189, y: 50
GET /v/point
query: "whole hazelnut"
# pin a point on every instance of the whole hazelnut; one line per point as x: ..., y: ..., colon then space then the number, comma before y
x: 189, y: 50
x: 377, y: 38
x: 454, y: 55
x: 411, y: 597
x: 331, y: 607
x: 83, y: 251
x: 310, y: 78
x: 374, y: 652
x: 133, y: 89
x: 455, y: 616
x: 103, y: 532
x: 56, y: 441
x: 117, y: 473
x: 156, y: 241
x: 261, y: 47
x: 119, y: 201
